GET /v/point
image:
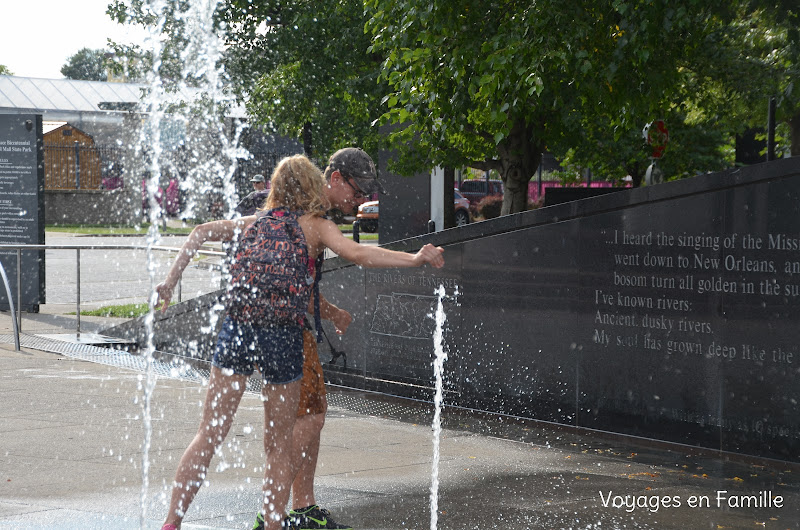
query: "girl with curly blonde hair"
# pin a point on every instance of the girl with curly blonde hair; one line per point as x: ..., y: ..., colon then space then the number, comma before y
x: 298, y: 184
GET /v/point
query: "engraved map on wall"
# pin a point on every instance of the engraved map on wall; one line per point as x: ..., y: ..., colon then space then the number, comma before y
x: 404, y: 315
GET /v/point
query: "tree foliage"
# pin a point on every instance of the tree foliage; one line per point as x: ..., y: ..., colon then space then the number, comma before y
x: 306, y: 68
x: 492, y: 84
x: 770, y: 37
x: 721, y: 90
x: 181, y: 30
x: 86, y: 65
x: 4, y: 70
x: 302, y: 66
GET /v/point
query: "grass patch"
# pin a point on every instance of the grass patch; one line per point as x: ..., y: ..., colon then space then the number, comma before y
x: 119, y: 311
x: 347, y: 230
x: 364, y: 237
x: 115, y: 230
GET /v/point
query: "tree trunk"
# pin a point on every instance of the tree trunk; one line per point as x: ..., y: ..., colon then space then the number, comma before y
x: 636, y: 172
x: 794, y: 135
x: 520, y: 155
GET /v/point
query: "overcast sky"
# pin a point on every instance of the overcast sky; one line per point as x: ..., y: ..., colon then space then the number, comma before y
x: 38, y: 36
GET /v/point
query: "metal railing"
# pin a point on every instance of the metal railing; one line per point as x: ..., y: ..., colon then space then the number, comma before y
x: 17, y: 320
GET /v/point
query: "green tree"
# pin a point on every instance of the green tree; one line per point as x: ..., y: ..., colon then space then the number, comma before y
x: 769, y: 37
x: 613, y: 155
x: 721, y: 90
x: 4, y: 70
x: 129, y: 62
x: 86, y: 65
x: 492, y: 84
x: 303, y: 67
x: 307, y: 69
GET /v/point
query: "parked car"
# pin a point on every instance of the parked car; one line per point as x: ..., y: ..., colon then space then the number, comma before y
x: 369, y: 211
x: 475, y: 190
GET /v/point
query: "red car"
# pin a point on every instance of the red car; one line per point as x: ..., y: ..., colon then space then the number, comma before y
x: 368, y: 213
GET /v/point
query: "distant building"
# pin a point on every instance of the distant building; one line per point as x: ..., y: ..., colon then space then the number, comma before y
x: 71, y: 160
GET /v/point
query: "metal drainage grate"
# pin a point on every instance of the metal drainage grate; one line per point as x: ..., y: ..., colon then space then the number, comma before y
x: 381, y: 405
x: 109, y: 357
x: 169, y: 365
x: 164, y: 364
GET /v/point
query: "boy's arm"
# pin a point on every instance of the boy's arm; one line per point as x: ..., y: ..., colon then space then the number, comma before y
x: 376, y: 257
x: 341, y: 319
x: 214, y: 231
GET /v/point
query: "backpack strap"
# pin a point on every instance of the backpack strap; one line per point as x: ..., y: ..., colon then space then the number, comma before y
x: 317, y: 314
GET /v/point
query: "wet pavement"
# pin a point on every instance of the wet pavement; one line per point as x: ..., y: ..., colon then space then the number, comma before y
x: 72, y: 452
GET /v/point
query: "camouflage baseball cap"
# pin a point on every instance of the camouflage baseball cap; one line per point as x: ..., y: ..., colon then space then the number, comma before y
x: 355, y: 163
x: 257, y: 178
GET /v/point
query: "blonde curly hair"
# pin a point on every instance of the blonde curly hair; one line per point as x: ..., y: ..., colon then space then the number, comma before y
x: 298, y: 184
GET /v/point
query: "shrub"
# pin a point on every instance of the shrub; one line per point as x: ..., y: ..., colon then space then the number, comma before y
x: 538, y: 203
x: 489, y: 207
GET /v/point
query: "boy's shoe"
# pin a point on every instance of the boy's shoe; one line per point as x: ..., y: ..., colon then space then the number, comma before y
x: 289, y: 523
x: 314, y: 518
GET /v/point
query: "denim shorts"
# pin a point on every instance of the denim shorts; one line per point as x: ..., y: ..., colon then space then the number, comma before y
x: 277, y: 351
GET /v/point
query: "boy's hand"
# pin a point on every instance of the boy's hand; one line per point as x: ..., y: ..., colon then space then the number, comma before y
x: 431, y: 255
x: 341, y: 321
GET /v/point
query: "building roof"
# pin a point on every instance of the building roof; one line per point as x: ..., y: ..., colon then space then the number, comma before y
x: 41, y: 95
x: 49, y: 126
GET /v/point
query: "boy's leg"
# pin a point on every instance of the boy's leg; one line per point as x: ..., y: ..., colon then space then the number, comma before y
x: 307, y: 431
x: 311, y: 418
x: 280, y: 413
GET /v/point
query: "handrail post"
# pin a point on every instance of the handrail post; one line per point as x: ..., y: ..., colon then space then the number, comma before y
x: 78, y: 294
x: 11, y: 307
x: 19, y: 291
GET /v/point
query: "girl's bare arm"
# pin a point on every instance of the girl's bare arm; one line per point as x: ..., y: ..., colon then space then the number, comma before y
x: 222, y: 230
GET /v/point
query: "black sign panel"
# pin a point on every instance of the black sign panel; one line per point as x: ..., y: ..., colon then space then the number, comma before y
x: 22, y: 205
x: 405, y: 208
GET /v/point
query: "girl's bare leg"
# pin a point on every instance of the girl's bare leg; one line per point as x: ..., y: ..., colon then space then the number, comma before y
x: 222, y: 400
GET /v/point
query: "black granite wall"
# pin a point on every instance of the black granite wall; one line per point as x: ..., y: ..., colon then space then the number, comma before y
x: 667, y: 312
